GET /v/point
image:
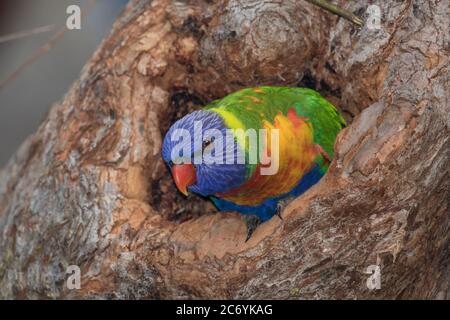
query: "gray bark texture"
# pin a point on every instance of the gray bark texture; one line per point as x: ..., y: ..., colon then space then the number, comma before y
x: 89, y: 188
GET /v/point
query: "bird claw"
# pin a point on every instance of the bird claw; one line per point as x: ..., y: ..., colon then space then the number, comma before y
x: 252, y: 222
x: 282, y: 204
x: 278, y: 212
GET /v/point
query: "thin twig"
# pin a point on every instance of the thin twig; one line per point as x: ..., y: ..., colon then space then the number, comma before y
x: 42, y: 49
x: 26, y: 33
x: 36, y: 54
x: 338, y: 11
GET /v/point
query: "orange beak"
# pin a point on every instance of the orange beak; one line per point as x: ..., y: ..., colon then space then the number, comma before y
x: 184, y: 176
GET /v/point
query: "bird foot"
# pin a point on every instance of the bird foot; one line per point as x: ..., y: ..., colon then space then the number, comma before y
x: 282, y: 204
x: 278, y: 213
x: 252, y: 222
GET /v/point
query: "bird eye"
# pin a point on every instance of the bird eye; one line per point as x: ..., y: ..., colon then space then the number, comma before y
x: 170, y: 163
x: 206, y: 143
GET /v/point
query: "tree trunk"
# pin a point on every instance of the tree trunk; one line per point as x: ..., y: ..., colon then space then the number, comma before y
x: 89, y: 188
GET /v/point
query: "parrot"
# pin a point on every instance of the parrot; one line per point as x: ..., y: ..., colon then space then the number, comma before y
x: 237, y: 176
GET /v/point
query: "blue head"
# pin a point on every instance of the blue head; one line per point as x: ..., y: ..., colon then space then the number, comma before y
x: 201, y: 156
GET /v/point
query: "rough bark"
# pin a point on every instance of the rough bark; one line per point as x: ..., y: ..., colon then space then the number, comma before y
x: 89, y: 187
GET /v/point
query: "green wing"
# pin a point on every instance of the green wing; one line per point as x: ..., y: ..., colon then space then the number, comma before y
x: 248, y: 108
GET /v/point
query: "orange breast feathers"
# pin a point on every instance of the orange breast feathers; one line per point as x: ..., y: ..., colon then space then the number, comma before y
x: 296, y: 155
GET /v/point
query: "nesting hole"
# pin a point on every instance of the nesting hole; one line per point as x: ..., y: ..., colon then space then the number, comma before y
x: 165, y: 198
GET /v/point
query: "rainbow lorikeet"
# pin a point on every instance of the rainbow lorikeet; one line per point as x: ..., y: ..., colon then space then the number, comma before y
x: 293, y: 130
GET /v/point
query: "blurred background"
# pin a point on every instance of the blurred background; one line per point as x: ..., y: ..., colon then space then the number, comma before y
x: 31, y: 78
